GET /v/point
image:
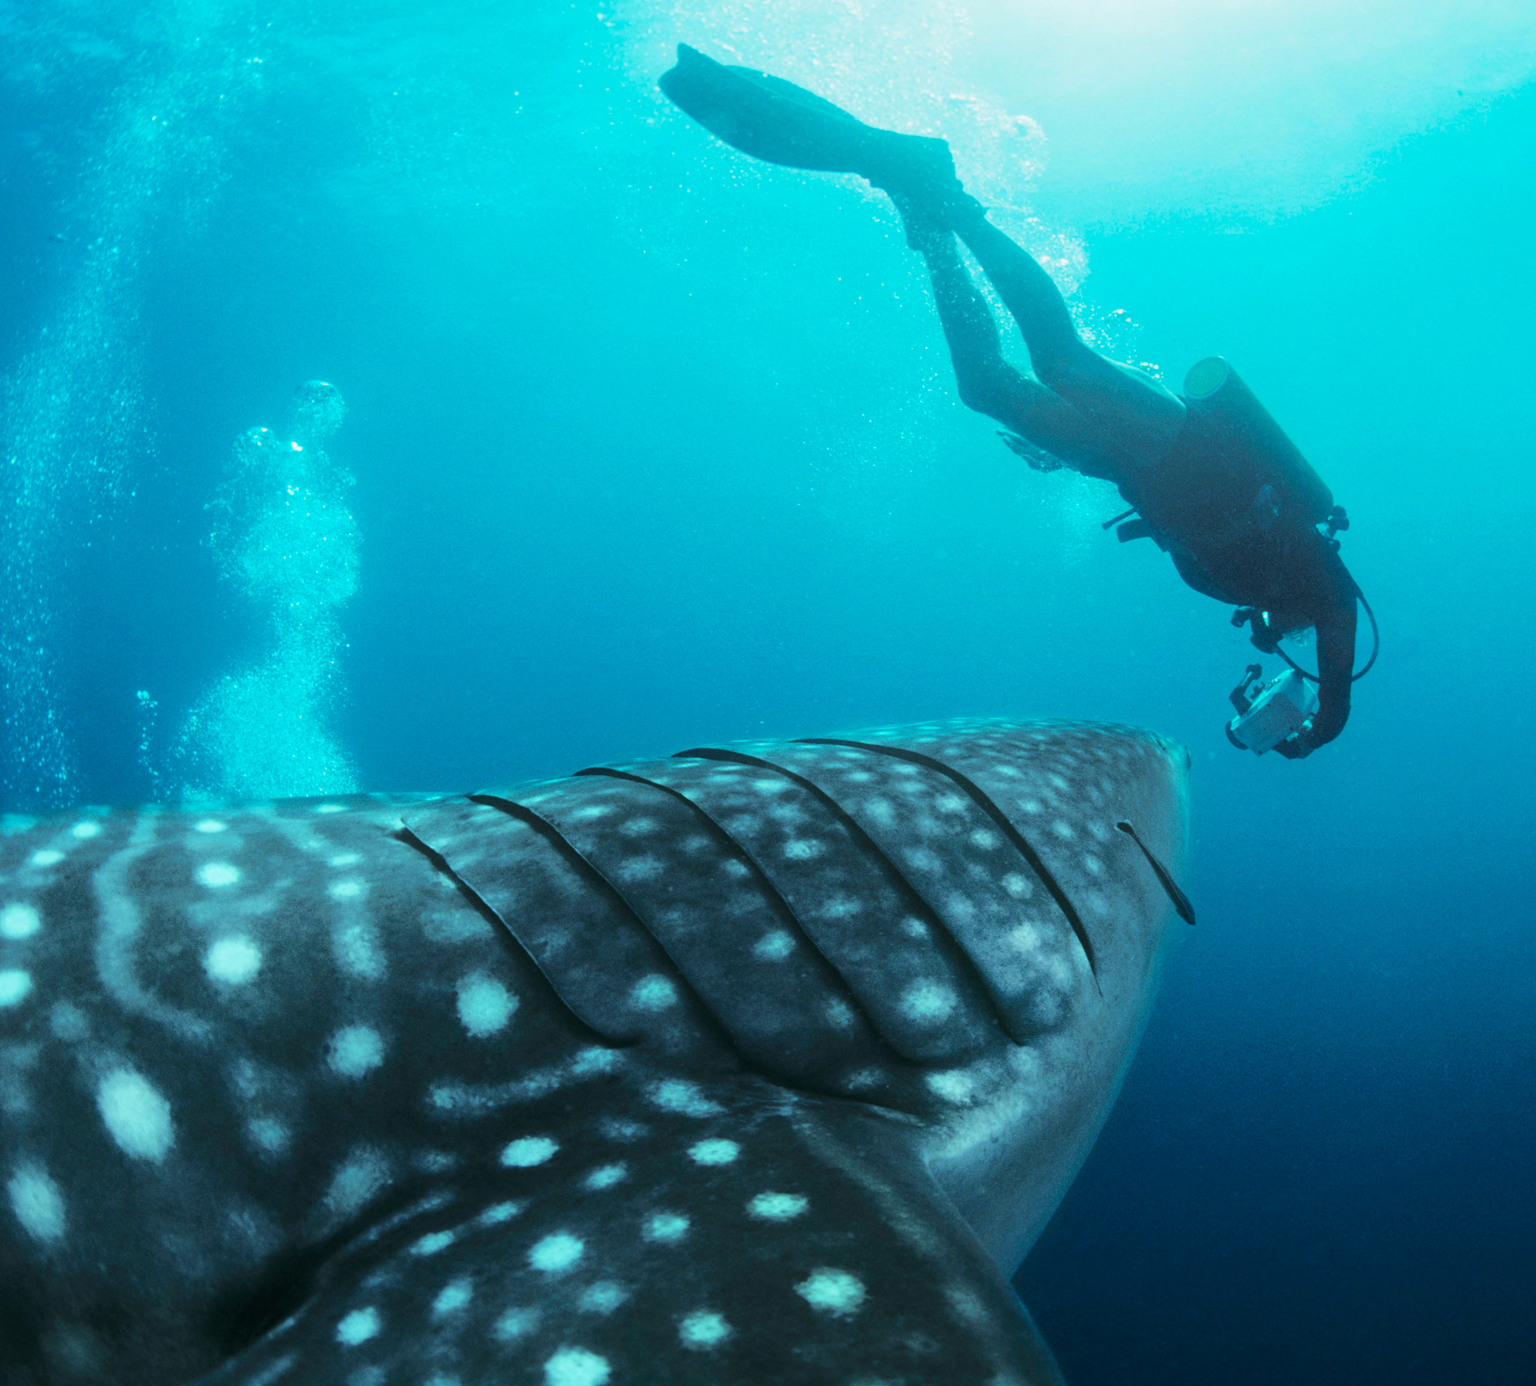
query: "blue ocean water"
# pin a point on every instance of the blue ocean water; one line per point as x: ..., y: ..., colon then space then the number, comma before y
x: 647, y: 445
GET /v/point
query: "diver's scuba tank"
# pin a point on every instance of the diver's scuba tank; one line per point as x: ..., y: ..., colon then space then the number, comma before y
x: 1270, y: 712
x: 1236, y: 445
x: 1247, y: 432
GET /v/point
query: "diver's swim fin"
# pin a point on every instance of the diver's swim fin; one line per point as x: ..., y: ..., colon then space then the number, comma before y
x: 778, y: 122
x: 765, y: 116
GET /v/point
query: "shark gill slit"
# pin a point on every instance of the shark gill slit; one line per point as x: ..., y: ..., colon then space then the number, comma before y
x: 946, y: 941
x: 984, y: 801
x: 506, y: 932
x: 1181, y: 904
x: 597, y: 881
x: 780, y: 907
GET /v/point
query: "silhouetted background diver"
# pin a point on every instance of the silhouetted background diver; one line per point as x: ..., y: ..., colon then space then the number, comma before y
x: 1232, y: 526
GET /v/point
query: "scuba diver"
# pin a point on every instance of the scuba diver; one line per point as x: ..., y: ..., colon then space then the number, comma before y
x: 1209, y: 475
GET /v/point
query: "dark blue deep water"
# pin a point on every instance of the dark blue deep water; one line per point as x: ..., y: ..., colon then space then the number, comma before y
x: 647, y: 446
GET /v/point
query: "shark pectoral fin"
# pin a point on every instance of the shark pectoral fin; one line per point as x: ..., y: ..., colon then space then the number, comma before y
x: 674, y: 1231
x: 1180, y: 900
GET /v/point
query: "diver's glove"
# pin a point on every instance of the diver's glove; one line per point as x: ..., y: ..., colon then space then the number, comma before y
x: 1298, y: 746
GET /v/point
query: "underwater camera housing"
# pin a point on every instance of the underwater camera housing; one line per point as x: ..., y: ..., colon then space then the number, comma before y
x: 1273, y: 712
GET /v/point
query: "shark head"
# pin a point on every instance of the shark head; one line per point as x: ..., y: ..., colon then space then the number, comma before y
x: 1079, y: 939
x: 1039, y: 851
x: 766, y: 1062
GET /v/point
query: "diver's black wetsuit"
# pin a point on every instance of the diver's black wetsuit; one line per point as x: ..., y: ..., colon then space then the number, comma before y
x: 1229, y: 537
x: 1230, y: 534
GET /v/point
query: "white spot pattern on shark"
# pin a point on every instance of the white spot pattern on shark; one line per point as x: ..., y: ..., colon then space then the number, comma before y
x: 528, y: 1151
x: 778, y: 1207
x: 666, y: 1227
x: 574, y: 1366
x: 525, y: 1107
x: 217, y: 875
x: 453, y: 1297
x: 37, y: 1203
x: 556, y: 1253
x: 355, y: 1051
x: 714, y: 1152
x: 485, y: 1006
x: 358, y: 1326
x: 19, y: 921
x: 703, y: 1328
x: 235, y: 960
x: 832, y: 1291
x: 136, y: 1116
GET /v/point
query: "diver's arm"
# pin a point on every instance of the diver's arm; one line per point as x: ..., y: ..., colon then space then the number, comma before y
x: 1335, y: 667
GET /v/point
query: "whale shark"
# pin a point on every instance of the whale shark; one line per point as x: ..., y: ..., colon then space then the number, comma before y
x: 764, y: 1063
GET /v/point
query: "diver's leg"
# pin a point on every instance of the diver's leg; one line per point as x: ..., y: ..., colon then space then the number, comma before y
x: 1142, y: 419
x: 1134, y: 416
x: 988, y: 384
x: 1031, y: 296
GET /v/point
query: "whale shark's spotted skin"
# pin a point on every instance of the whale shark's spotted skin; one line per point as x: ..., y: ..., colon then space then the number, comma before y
x: 762, y: 1064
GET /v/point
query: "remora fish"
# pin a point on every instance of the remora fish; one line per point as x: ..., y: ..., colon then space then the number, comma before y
x: 761, y: 1064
